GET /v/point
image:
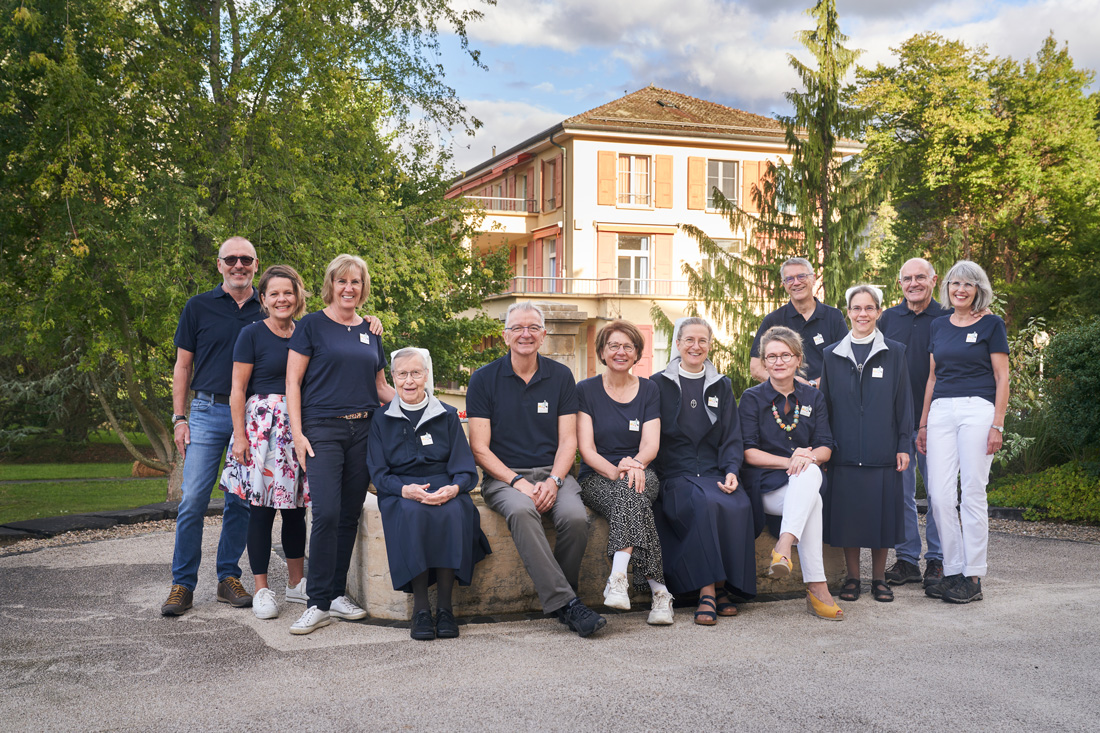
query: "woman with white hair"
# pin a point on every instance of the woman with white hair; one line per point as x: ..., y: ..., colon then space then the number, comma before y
x: 423, y: 469
x: 865, y: 383
x: 962, y: 425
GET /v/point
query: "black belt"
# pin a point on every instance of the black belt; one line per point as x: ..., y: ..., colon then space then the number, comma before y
x: 221, y: 399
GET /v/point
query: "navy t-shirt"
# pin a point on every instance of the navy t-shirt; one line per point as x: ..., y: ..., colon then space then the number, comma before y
x: 617, y: 426
x: 824, y: 327
x: 963, y: 365
x: 208, y: 328
x: 899, y: 323
x: 266, y: 352
x: 524, y: 416
x: 343, y: 366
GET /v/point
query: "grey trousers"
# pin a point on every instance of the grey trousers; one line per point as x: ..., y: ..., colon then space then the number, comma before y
x: 554, y: 572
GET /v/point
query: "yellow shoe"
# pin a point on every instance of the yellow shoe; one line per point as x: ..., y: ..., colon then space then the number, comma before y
x: 819, y: 609
x: 780, y: 567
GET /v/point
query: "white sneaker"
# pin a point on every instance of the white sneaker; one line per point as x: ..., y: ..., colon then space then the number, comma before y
x: 661, y: 613
x: 264, y: 604
x: 616, y: 594
x: 344, y: 607
x: 297, y: 593
x: 313, y: 619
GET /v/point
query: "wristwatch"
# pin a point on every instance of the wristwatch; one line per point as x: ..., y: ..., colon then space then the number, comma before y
x: 556, y: 480
x: 178, y: 418
x: 515, y: 478
x: 998, y: 428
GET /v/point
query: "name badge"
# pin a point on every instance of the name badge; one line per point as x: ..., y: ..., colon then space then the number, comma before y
x: 635, y: 426
x: 712, y: 402
x: 972, y: 338
x: 364, y: 338
x: 426, y: 439
x: 877, y: 372
x: 544, y: 407
x: 819, y: 339
x: 806, y: 411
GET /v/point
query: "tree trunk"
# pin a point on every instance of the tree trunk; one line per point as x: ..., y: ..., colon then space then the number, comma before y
x: 175, y: 481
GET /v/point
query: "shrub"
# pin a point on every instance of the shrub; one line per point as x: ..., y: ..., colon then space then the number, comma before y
x: 1073, y: 372
x: 1068, y: 493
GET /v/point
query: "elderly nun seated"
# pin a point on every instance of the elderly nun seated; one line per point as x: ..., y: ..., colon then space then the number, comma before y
x: 423, y: 469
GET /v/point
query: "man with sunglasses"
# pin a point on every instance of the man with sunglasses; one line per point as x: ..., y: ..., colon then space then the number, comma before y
x: 818, y: 324
x: 207, y: 331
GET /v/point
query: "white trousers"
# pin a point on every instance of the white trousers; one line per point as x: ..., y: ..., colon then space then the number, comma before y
x: 958, y: 433
x: 799, y: 503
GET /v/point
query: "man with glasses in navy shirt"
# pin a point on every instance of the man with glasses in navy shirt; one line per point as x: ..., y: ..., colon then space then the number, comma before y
x: 522, y: 411
x: 818, y: 324
x: 207, y: 331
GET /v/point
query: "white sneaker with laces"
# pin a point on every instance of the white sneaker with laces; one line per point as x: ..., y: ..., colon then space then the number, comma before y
x: 616, y: 594
x: 313, y: 619
x: 661, y: 613
x: 344, y: 607
x: 297, y: 593
x: 264, y: 604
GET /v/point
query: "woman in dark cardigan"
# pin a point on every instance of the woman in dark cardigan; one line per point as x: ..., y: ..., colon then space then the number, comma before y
x: 865, y: 382
x: 704, y: 518
x: 423, y: 469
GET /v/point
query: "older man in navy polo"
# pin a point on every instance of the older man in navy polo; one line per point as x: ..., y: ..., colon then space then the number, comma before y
x: 207, y: 331
x: 818, y: 324
x: 910, y: 322
x: 523, y: 431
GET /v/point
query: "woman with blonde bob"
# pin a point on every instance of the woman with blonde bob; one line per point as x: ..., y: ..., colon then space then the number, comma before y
x: 335, y: 379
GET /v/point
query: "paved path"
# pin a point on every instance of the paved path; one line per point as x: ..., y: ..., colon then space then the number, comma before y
x: 83, y: 647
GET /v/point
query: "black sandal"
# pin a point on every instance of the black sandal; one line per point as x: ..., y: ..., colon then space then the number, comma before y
x: 850, y: 590
x: 881, y: 592
x: 726, y: 606
x: 706, y: 618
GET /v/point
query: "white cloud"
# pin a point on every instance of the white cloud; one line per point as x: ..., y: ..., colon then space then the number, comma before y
x: 504, y: 124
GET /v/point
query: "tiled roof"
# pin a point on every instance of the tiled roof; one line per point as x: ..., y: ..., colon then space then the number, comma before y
x: 654, y: 108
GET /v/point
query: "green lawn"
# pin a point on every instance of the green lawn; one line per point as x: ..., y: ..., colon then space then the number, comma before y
x: 27, y: 471
x: 34, y: 500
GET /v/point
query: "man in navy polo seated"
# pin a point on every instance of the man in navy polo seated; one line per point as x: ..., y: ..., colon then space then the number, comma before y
x: 522, y: 410
x: 207, y: 331
x: 818, y: 324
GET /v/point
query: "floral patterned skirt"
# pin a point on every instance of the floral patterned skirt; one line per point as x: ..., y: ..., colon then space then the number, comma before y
x: 272, y: 476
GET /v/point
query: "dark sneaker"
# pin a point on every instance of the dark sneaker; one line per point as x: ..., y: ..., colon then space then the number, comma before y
x: 936, y: 590
x: 582, y: 619
x: 964, y: 591
x: 903, y: 572
x: 445, y: 625
x: 423, y: 628
x: 933, y: 572
x: 179, y: 600
x: 232, y: 592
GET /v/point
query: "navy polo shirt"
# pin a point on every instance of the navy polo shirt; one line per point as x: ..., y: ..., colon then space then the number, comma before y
x: 901, y: 324
x: 963, y: 364
x: 266, y: 352
x: 208, y: 328
x: 617, y: 426
x: 343, y: 366
x: 824, y: 327
x: 759, y: 429
x: 524, y: 416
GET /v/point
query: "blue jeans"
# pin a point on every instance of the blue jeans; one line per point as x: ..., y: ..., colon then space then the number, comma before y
x: 909, y: 550
x: 211, y: 429
x: 338, y: 480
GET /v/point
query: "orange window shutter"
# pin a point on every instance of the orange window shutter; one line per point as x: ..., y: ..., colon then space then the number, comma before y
x: 512, y: 264
x: 697, y: 183
x: 590, y: 365
x: 605, y: 262
x: 662, y: 182
x: 534, y: 258
x: 750, y: 177
x: 644, y: 367
x: 557, y: 181
x: 605, y: 178
x: 662, y: 260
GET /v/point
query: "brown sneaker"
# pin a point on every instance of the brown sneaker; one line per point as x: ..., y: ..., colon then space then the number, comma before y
x: 179, y: 600
x: 232, y: 592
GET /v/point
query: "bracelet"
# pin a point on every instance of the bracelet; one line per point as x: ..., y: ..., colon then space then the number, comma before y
x: 923, y: 427
x: 177, y: 423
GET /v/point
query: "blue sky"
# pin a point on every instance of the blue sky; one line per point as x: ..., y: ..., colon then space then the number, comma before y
x: 550, y: 59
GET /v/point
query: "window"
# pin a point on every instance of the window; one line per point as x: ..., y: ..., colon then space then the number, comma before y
x: 721, y: 175
x: 634, y: 180
x: 550, y: 262
x: 521, y: 203
x: 498, y: 203
x: 633, y: 262
x: 735, y: 247
x: 548, y: 170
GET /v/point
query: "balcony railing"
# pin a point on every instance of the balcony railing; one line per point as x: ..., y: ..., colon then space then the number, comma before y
x: 598, y: 286
x: 505, y: 204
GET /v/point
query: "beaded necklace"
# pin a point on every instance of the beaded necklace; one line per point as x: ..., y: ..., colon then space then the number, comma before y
x: 779, y: 420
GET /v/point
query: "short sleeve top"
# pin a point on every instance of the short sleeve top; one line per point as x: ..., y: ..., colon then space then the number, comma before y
x: 964, y: 367
x: 208, y: 328
x: 344, y: 362
x: 266, y: 352
x: 617, y: 426
x: 824, y: 327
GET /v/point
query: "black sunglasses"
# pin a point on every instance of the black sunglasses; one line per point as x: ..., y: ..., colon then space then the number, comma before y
x: 232, y: 260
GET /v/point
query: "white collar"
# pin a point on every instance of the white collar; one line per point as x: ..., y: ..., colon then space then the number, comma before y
x: 692, y: 375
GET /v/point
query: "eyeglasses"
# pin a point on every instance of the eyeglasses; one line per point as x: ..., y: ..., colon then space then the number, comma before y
x: 692, y: 341
x: 862, y: 308
x: 417, y: 375
x: 913, y: 279
x: 232, y: 260
x: 772, y: 358
x: 626, y: 348
x: 533, y: 330
x: 800, y: 277
x: 960, y: 284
